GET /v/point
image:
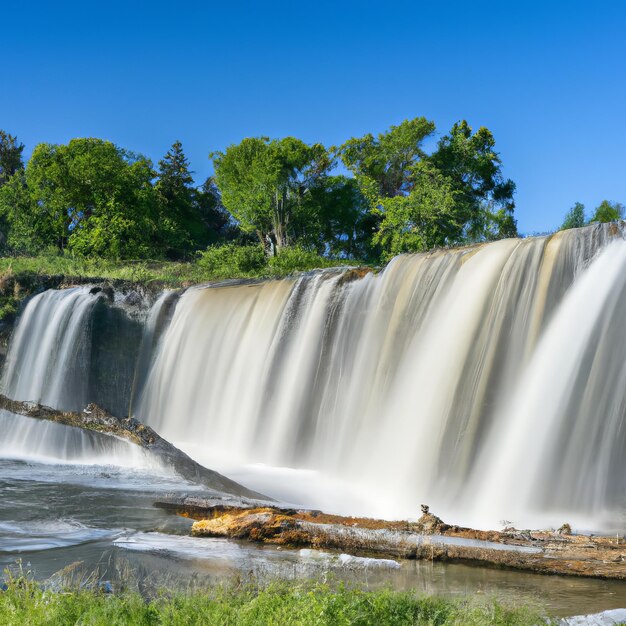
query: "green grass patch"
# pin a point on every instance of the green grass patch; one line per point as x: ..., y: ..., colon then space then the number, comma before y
x: 216, y: 263
x: 26, y: 602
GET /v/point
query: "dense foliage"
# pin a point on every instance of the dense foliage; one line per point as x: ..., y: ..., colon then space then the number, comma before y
x: 273, y: 205
x: 25, y: 602
x: 605, y: 212
x: 94, y: 199
x: 366, y: 200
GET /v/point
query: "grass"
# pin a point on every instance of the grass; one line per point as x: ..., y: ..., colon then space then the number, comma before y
x: 216, y: 263
x: 25, y: 602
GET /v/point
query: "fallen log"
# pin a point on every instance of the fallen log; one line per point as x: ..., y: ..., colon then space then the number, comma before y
x: 429, y: 538
x: 97, y: 420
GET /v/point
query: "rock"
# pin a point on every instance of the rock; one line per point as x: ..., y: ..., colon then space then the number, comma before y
x: 429, y: 523
x: 566, y: 529
x: 133, y: 299
x: 96, y: 419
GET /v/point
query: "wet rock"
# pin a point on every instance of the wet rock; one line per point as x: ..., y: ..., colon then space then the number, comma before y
x: 96, y: 419
x: 133, y: 299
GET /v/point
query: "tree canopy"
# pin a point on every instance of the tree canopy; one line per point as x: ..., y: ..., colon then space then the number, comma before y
x: 457, y: 194
x: 608, y: 212
x: 605, y: 212
x: 575, y: 217
x: 368, y: 199
x: 270, y: 187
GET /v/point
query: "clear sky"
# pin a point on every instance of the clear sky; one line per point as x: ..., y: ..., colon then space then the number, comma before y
x: 548, y: 78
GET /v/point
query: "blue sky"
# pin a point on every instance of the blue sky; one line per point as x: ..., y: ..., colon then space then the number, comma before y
x: 548, y: 78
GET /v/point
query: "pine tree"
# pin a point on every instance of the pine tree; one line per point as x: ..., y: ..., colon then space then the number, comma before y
x: 10, y: 156
x: 181, y: 227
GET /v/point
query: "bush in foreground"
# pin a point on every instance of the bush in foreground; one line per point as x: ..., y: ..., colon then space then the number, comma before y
x: 26, y: 602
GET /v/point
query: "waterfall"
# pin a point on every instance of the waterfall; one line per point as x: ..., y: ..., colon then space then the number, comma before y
x: 39, y: 440
x: 49, y: 352
x: 72, y: 347
x: 488, y: 382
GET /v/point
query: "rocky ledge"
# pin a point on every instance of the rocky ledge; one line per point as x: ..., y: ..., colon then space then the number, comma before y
x: 429, y: 538
x: 97, y: 420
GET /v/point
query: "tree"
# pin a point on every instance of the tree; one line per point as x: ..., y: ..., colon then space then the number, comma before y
x: 267, y: 186
x: 384, y: 164
x: 575, y: 217
x: 92, y: 197
x: 218, y: 223
x: 484, y: 203
x: 608, y: 212
x: 455, y: 195
x: 10, y: 156
x: 420, y: 220
x: 181, y: 226
x: 18, y: 226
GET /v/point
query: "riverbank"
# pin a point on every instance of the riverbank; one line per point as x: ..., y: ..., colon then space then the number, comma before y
x: 545, y: 552
x: 26, y: 602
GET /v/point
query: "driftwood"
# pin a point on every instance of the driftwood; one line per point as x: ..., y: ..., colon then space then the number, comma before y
x: 97, y: 420
x: 429, y: 538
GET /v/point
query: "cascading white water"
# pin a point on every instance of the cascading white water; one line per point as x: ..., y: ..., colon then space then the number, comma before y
x: 49, y: 351
x: 33, y: 439
x: 487, y: 381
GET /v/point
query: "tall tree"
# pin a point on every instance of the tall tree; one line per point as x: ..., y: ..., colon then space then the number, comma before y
x: 484, y: 205
x: 575, y: 217
x: 93, y: 197
x: 266, y: 185
x: 10, y: 156
x: 182, y: 229
x: 608, y: 212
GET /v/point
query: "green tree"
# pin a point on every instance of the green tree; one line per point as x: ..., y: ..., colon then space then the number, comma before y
x: 19, y: 230
x: 181, y: 226
x: 453, y: 196
x: 218, y: 223
x: 575, y: 217
x: 421, y: 219
x: 10, y: 156
x: 266, y: 185
x: 384, y: 164
x: 343, y: 223
x: 608, y: 212
x: 92, y: 197
x: 484, y: 202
